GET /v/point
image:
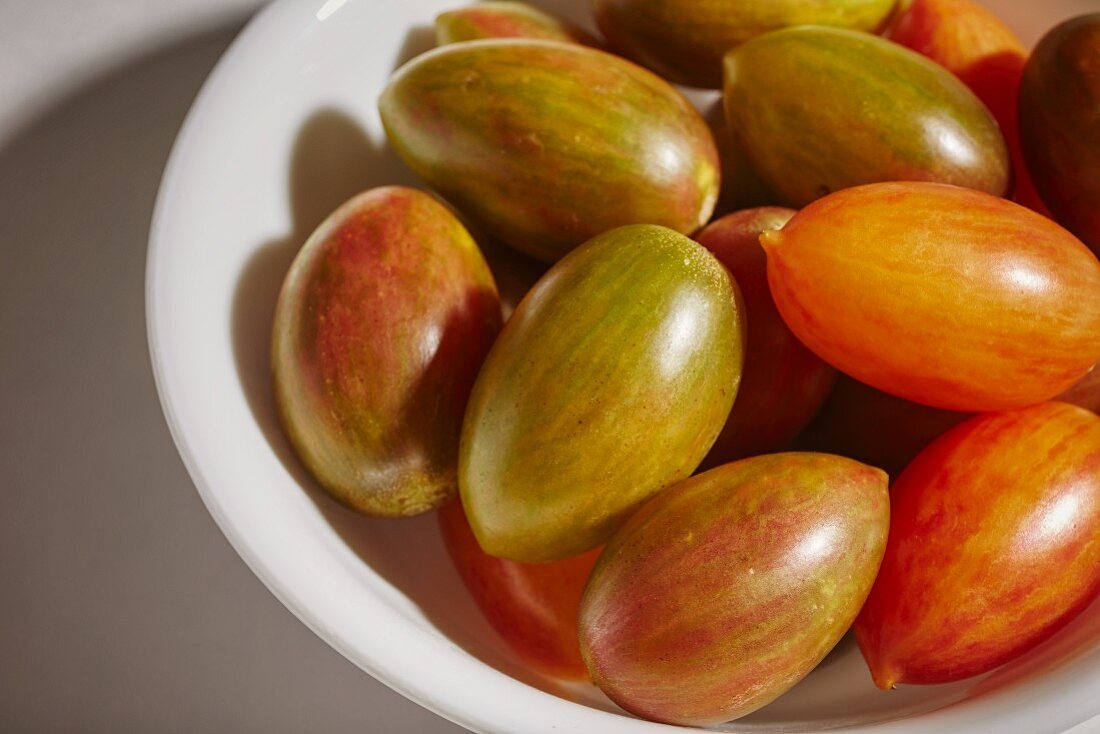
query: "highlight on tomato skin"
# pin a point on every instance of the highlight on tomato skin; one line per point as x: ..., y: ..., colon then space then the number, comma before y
x: 977, y: 47
x: 609, y: 382
x: 783, y: 384
x: 519, y: 151
x: 994, y: 546
x: 823, y: 109
x: 726, y: 589
x: 533, y: 607
x: 938, y: 294
x: 393, y: 287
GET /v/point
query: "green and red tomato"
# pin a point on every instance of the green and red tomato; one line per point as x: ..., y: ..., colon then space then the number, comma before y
x: 728, y: 588
x: 547, y: 144
x: 818, y: 110
x: 610, y: 381
x: 380, y: 329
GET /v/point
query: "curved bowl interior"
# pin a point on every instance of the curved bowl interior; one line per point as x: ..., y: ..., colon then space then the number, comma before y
x: 285, y: 130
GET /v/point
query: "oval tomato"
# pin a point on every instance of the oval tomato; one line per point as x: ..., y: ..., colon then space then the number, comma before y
x: 994, y: 545
x: 938, y: 294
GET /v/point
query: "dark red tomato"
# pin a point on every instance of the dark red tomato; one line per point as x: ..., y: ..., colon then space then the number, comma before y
x: 783, y: 383
x: 1060, y: 123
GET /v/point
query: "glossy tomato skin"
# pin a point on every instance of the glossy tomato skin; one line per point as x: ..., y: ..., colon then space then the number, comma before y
x: 937, y: 294
x: 819, y: 109
x: 380, y: 328
x: 506, y: 130
x: 994, y: 545
x: 726, y: 589
x: 782, y: 383
x: 610, y: 381
x: 977, y: 47
x: 532, y: 606
x: 1060, y: 123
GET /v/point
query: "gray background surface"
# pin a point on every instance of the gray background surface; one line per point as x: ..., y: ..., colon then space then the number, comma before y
x: 123, y: 609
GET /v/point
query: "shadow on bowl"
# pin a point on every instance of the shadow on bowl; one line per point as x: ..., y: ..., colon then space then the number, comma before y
x: 333, y: 159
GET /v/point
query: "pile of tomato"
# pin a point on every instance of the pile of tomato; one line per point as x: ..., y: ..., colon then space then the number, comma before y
x: 821, y: 362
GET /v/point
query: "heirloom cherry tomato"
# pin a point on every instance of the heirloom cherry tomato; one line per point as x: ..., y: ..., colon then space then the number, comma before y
x: 380, y: 329
x: 548, y: 144
x: 938, y: 294
x: 994, y: 546
x: 726, y: 589
x: 609, y: 382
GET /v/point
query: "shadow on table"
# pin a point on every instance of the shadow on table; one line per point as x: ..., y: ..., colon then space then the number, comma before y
x: 124, y: 608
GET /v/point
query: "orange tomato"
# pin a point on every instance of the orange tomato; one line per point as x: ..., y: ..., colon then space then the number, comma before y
x: 938, y: 294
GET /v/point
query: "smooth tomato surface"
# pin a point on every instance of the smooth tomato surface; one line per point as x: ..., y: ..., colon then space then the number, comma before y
x: 994, y: 545
x: 941, y: 295
x: 977, y: 47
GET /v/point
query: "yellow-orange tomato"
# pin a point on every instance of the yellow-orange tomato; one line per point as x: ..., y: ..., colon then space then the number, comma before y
x: 941, y: 295
x: 533, y: 606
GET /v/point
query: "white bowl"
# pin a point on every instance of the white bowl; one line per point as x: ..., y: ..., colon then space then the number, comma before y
x: 284, y: 130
